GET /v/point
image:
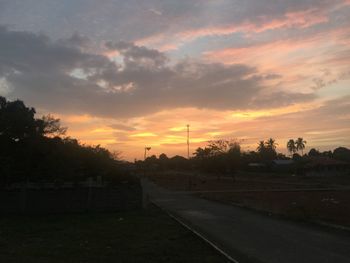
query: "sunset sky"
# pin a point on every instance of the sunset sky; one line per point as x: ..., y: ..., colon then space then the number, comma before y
x: 130, y: 74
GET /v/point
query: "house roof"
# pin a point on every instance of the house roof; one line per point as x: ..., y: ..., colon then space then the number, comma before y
x: 283, y: 162
x: 256, y: 165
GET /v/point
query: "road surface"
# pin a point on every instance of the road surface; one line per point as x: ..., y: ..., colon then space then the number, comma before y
x: 248, y: 236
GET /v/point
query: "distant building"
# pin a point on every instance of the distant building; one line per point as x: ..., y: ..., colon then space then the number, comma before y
x: 257, y: 165
x: 283, y: 162
x: 283, y: 165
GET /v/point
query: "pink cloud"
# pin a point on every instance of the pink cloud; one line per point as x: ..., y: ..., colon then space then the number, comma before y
x: 268, y: 51
x: 301, y: 19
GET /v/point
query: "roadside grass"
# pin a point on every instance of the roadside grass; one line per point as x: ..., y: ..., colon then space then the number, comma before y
x: 140, y: 236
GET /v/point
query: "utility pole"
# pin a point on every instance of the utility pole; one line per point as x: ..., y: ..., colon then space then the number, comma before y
x: 188, y: 141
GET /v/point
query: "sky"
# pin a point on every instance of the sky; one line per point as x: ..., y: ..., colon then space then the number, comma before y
x: 130, y: 74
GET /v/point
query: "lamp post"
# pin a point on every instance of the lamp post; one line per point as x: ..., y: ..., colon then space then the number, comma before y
x: 146, y: 150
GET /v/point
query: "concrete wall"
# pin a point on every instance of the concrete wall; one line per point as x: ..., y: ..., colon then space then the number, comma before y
x: 69, y: 200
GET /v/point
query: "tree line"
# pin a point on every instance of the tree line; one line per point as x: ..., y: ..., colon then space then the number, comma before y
x: 226, y: 156
x: 37, y: 150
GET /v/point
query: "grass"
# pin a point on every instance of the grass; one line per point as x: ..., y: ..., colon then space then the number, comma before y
x: 326, y: 206
x: 142, y: 236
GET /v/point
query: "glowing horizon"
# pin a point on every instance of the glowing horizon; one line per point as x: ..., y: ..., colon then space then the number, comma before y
x: 127, y: 75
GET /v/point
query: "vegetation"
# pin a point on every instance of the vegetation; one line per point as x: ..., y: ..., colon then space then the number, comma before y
x: 300, y: 145
x: 35, y: 150
x: 139, y: 236
x: 226, y: 157
x: 294, y: 146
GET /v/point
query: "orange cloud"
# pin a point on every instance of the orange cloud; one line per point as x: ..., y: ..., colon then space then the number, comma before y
x: 166, y: 131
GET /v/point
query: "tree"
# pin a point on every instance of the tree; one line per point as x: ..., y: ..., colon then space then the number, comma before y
x: 300, y: 145
x: 218, y: 147
x: 163, y: 161
x: 314, y: 153
x: 17, y: 121
x: 50, y: 126
x: 32, y: 151
x: 267, y: 150
x: 201, y: 153
x: 163, y: 157
x: 261, y: 147
x: 219, y: 156
x: 342, y: 154
x: 291, y: 146
x: 271, y: 144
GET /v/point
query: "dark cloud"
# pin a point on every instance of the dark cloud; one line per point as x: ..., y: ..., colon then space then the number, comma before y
x: 76, y: 40
x: 61, y: 77
x: 134, y: 19
x: 138, y: 56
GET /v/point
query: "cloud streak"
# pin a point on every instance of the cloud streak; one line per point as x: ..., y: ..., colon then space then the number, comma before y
x: 126, y: 74
x: 43, y: 72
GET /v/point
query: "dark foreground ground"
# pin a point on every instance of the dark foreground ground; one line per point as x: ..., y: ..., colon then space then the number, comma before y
x: 144, y: 236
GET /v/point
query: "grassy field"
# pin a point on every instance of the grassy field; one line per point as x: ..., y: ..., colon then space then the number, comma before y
x: 301, y: 198
x: 316, y: 206
x: 144, y: 236
x: 244, y: 181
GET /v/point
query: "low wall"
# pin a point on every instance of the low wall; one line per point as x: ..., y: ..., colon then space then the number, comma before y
x: 123, y: 197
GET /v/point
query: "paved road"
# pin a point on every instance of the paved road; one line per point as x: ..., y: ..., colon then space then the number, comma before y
x: 252, y: 237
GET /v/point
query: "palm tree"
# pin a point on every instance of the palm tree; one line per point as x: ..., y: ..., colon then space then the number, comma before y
x: 300, y: 145
x: 271, y: 144
x: 291, y: 146
x: 261, y: 147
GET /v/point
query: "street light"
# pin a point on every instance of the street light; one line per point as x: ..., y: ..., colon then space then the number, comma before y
x: 146, y: 150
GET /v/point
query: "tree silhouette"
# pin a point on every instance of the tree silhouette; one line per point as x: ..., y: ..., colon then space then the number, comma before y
x: 342, y: 154
x: 271, y: 144
x: 17, y: 121
x: 50, y: 126
x: 32, y: 150
x: 314, y: 153
x: 291, y: 146
x: 267, y: 150
x: 261, y: 147
x: 300, y: 145
x: 219, y: 156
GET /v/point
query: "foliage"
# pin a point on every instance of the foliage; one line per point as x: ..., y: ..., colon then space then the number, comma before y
x: 342, y: 154
x: 267, y: 150
x: 291, y: 146
x: 33, y: 151
x: 225, y: 157
x: 220, y: 156
x: 300, y: 145
x: 297, y: 145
